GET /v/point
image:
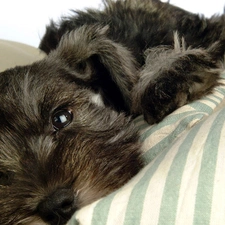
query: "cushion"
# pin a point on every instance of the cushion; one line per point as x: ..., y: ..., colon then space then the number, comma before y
x: 183, y: 181
x: 17, y: 54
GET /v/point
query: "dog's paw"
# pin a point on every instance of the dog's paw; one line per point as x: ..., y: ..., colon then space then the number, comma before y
x: 162, y: 97
x: 172, y: 78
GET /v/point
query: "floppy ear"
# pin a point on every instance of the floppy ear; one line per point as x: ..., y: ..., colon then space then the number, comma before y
x: 93, y: 57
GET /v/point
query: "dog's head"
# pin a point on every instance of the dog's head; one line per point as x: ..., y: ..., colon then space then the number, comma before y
x: 61, y: 147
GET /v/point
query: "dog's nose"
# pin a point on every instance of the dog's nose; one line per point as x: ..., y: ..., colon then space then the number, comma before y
x: 58, y: 207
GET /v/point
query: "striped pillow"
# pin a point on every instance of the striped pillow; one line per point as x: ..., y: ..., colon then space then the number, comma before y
x: 183, y: 181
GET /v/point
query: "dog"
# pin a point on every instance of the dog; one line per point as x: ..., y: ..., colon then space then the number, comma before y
x: 66, y: 135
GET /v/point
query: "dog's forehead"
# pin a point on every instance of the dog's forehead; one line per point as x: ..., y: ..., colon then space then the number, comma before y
x: 36, y: 76
x: 37, y: 83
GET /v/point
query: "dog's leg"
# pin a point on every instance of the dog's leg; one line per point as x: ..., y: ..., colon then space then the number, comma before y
x: 174, y: 77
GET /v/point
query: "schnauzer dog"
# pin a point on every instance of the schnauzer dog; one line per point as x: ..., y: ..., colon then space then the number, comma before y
x: 66, y: 133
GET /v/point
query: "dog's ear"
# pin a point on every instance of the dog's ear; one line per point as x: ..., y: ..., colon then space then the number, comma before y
x: 50, y: 39
x: 91, y: 55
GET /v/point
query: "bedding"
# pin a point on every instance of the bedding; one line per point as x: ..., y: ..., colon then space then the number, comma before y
x: 17, y: 54
x: 183, y: 181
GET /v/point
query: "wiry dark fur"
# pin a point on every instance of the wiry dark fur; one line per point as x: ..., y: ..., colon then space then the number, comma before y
x: 133, y: 57
x: 148, y: 24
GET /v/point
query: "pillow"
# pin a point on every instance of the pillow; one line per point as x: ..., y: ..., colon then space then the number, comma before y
x: 183, y: 181
x: 16, y: 54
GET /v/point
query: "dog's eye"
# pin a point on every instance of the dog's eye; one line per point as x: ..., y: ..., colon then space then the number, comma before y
x: 61, y: 119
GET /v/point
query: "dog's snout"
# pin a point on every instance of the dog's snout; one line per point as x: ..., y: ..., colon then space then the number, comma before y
x: 58, y: 207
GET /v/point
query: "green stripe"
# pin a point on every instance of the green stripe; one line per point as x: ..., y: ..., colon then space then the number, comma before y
x: 202, y: 107
x: 137, y: 197
x: 101, y: 210
x: 221, y: 90
x: 216, y: 102
x: 169, y: 120
x: 73, y: 221
x: 223, y: 74
x: 172, y: 187
x: 155, y: 150
x: 219, y: 99
x: 207, y: 172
